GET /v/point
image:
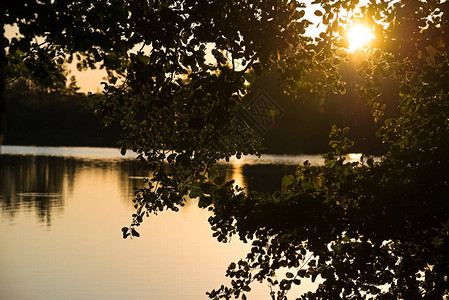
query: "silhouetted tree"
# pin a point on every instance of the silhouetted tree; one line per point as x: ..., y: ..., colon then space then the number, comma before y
x: 369, y: 229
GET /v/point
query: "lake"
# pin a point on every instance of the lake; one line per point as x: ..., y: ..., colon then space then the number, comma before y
x: 62, y: 210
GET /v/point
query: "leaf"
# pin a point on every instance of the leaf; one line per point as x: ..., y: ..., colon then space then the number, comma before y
x: 195, y: 193
x: 285, y: 284
x: 134, y: 233
x: 125, y: 232
x: 288, y: 180
x: 318, y: 13
x: 143, y: 59
x: 113, y: 79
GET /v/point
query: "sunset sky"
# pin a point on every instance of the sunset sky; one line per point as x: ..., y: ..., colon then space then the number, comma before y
x: 90, y: 80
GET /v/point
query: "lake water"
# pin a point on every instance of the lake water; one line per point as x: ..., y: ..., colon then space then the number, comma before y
x: 62, y: 210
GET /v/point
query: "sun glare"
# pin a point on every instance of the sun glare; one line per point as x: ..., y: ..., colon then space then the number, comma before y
x: 359, y: 36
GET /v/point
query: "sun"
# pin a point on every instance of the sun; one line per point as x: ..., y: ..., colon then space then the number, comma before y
x: 359, y: 36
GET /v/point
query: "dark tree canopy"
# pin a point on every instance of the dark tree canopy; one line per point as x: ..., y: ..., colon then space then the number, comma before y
x: 178, y: 75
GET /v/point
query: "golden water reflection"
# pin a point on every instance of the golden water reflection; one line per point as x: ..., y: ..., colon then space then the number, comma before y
x: 60, y: 230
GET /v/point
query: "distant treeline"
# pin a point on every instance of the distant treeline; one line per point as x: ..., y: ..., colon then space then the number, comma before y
x: 61, y: 119
x: 309, y: 115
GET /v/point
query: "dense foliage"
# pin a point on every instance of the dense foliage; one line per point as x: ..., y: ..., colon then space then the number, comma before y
x: 370, y: 229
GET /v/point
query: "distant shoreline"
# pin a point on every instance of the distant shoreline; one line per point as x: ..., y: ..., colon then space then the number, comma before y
x: 114, y: 153
x: 62, y: 120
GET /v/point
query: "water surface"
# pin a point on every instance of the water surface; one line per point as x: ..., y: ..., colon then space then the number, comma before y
x: 61, y: 214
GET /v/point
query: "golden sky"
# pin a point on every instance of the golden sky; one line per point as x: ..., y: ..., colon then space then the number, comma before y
x: 90, y: 80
